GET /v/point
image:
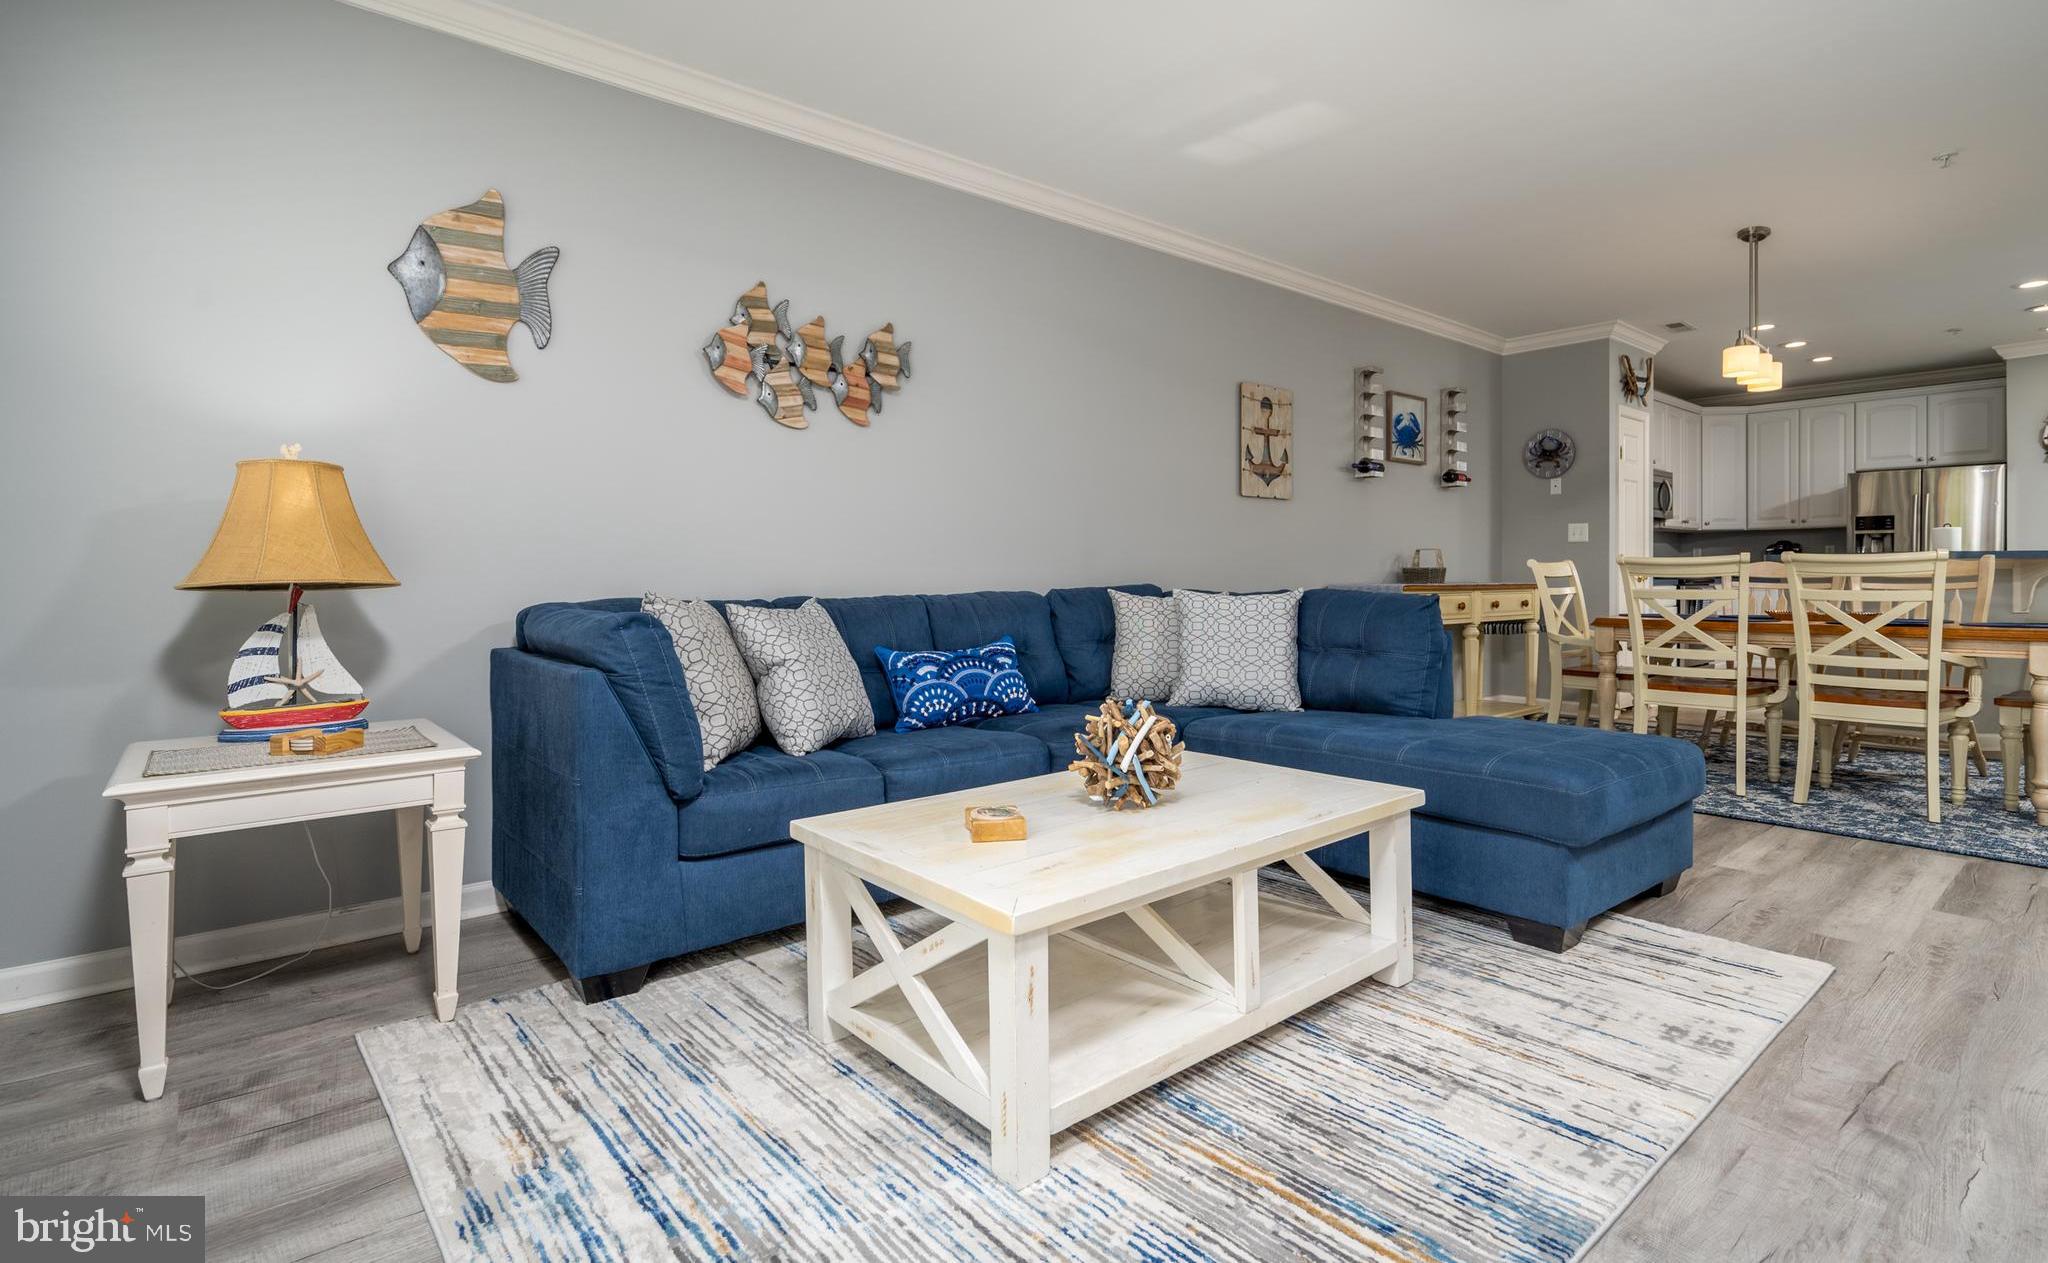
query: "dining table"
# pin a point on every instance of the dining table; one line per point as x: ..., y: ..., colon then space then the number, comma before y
x: 2003, y: 642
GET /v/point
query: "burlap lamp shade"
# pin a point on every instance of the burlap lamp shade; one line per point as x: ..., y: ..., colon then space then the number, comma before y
x: 290, y: 522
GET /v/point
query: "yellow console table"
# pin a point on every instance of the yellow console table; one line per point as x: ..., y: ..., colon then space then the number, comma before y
x: 1467, y: 609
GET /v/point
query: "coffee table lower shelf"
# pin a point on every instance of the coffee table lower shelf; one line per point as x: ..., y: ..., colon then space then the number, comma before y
x: 1129, y: 1000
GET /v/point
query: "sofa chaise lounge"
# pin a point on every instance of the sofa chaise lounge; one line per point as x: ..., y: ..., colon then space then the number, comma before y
x: 611, y: 840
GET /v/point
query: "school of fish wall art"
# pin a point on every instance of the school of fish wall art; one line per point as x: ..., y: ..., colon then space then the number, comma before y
x: 758, y: 355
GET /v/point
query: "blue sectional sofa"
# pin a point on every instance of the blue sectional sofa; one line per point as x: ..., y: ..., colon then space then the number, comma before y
x: 611, y: 840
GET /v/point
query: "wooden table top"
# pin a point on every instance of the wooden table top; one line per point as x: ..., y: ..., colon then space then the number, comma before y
x: 1082, y: 859
x: 2003, y: 633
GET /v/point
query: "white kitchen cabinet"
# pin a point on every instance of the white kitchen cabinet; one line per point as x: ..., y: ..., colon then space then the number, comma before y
x: 1966, y: 427
x: 1774, y: 443
x: 1826, y: 438
x: 1685, y: 472
x: 1891, y: 433
x: 1724, y: 470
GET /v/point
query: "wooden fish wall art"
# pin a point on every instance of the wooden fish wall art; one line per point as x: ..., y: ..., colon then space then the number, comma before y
x: 758, y: 355
x: 462, y: 294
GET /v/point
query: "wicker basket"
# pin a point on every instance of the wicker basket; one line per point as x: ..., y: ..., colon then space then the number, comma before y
x: 1416, y: 572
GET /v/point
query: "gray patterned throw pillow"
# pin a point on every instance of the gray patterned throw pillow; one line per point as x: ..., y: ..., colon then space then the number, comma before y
x: 1239, y: 651
x: 808, y: 686
x: 721, y: 690
x: 1146, y: 660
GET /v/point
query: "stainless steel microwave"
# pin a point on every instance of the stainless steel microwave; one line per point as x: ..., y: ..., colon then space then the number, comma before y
x: 1660, y: 495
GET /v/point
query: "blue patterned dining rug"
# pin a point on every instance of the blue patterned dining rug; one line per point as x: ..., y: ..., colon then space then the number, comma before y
x: 1882, y: 796
x: 1506, y: 1104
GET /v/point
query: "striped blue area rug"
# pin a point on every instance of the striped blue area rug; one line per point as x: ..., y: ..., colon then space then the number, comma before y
x: 1506, y: 1104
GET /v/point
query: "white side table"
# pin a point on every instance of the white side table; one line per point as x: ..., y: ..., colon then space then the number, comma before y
x: 423, y: 788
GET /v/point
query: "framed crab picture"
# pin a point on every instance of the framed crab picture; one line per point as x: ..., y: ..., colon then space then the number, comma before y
x: 1407, y: 428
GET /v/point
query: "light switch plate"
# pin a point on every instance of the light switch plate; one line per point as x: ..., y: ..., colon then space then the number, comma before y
x: 1577, y: 532
x: 1557, y: 486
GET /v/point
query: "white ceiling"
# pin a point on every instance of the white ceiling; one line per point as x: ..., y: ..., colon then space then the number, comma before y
x: 1512, y: 166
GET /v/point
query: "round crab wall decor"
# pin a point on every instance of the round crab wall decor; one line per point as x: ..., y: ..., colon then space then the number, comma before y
x: 1549, y: 454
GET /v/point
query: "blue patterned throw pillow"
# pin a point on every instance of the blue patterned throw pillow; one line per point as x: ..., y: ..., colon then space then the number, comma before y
x: 936, y: 687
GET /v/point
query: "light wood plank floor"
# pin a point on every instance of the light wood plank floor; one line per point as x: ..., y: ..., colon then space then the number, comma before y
x: 1903, y: 1115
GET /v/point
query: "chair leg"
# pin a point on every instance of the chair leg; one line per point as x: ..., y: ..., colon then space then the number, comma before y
x: 1933, y: 774
x: 1774, y: 739
x: 1959, y: 762
x: 2011, y: 736
x: 1585, y: 709
x: 1640, y: 721
x: 1667, y: 721
x: 1828, y: 748
x: 1855, y: 749
x: 1738, y: 725
x: 1983, y: 764
x: 1802, y: 761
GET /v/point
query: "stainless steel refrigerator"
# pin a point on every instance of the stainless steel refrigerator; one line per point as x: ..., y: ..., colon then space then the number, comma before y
x: 1896, y: 510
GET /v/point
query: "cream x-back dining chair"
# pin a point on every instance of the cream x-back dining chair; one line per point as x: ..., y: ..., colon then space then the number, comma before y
x: 1568, y: 636
x: 1968, y: 585
x: 1853, y: 670
x: 1687, y: 653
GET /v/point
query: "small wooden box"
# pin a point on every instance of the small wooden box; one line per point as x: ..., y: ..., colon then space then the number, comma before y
x: 316, y: 742
x: 995, y: 824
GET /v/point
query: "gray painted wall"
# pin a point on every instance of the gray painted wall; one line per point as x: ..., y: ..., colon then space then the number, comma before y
x: 201, y: 199
x: 1565, y: 388
x: 2026, y: 410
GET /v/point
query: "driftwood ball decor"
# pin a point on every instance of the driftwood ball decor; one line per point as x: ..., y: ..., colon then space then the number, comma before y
x: 1127, y: 754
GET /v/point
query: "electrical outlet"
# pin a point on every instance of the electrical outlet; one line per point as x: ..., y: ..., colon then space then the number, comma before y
x: 1557, y: 486
x: 1577, y: 532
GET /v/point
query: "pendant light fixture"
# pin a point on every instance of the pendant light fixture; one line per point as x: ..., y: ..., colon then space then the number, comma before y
x: 1749, y: 361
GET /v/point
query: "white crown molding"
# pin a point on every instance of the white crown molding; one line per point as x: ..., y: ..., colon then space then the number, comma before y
x: 564, y: 48
x: 69, y: 977
x: 2022, y: 350
x: 1609, y: 331
x: 1844, y: 387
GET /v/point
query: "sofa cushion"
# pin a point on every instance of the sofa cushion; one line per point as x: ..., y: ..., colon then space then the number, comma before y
x: 869, y: 622
x: 1382, y: 652
x: 749, y: 799
x: 975, y: 618
x: 1056, y: 725
x: 940, y: 760
x: 808, y: 686
x: 638, y: 660
x: 721, y: 689
x: 934, y: 688
x: 1239, y: 650
x: 1572, y: 786
x: 1144, y: 660
x: 1084, y: 627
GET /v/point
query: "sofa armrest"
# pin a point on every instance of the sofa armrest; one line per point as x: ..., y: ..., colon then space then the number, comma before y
x: 583, y: 830
x: 638, y: 661
x: 1383, y: 653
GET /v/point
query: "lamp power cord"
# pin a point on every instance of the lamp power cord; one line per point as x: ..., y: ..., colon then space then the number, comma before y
x: 320, y: 942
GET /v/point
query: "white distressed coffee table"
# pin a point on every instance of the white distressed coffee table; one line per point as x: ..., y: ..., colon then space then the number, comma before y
x: 1121, y: 947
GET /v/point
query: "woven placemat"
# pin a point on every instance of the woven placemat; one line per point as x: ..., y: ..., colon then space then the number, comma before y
x: 232, y: 756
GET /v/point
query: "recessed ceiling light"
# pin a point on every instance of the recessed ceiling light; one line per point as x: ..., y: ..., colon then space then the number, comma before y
x: 1822, y: 359
x: 1765, y: 328
x: 2030, y: 284
x: 2042, y: 307
x: 1793, y: 346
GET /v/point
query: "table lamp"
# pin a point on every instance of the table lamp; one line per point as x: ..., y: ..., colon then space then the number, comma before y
x: 289, y: 524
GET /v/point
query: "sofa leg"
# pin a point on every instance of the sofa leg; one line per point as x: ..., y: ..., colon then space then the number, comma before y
x: 1669, y: 886
x: 600, y: 987
x: 1551, y: 938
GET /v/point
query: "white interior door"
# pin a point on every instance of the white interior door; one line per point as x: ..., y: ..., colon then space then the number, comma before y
x: 1631, y: 498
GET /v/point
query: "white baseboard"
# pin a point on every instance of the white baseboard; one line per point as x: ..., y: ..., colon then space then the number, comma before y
x: 69, y: 977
